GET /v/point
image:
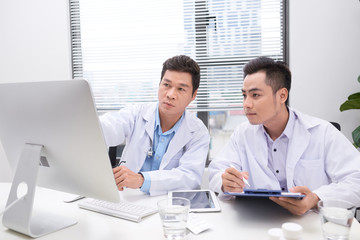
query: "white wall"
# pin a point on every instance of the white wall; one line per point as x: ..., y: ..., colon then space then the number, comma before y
x: 34, y: 46
x: 324, y: 53
x: 325, y: 58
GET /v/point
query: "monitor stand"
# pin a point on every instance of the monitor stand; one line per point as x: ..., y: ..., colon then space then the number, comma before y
x: 20, y: 217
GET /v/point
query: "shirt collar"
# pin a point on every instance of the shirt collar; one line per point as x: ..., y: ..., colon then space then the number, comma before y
x: 288, y: 131
x: 158, y: 127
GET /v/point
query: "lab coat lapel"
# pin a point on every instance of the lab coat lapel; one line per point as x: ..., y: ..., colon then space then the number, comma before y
x: 149, y: 118
x: 297, y: 145
x: 149, y: 129
x: 182, y: 136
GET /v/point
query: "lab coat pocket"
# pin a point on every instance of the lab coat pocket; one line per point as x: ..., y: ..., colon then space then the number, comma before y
x: 310, y: 173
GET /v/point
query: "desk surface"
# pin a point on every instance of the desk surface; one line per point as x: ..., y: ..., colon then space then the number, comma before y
x: 243, y: 218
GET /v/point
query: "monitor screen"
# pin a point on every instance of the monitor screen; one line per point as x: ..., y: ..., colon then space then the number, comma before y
x: 55, y: 125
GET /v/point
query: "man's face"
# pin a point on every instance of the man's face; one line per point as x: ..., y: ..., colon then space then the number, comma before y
x: 261, y: 105
x: 175, y: 93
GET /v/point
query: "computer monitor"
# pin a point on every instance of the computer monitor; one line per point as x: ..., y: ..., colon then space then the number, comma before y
x: 52, y: 138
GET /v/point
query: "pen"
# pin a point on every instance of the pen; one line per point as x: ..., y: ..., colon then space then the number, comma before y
x: 244, y: 179
x: 120, y: 162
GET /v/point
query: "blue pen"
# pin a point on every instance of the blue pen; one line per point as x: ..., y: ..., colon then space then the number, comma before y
x: 244, y: 179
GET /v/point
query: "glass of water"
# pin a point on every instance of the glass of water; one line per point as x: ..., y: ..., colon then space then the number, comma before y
x: 336, y: 218
x: 173, y: 213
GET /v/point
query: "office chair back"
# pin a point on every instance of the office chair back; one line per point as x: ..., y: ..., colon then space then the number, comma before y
x: 337, y: 125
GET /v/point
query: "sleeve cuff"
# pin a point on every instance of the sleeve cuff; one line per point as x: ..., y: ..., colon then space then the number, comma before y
x: 147, y: 182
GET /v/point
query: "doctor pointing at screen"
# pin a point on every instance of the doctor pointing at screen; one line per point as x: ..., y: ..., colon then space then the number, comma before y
x: 283, y: 149
x: 166, y: 146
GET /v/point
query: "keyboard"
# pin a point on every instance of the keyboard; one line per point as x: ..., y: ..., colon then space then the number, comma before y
x: 124, y: 210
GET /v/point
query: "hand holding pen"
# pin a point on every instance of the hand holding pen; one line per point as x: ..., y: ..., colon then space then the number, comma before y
x: 234, y: 180
x: 125, y: 178
x: 244, y: 179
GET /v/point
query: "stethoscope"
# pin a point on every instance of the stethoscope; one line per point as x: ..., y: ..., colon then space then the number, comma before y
x: 150, y: 152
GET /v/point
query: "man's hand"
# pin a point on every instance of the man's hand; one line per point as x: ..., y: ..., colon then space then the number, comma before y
x: 127, y: 178
x: 232, y: 180
x: 296, y: 206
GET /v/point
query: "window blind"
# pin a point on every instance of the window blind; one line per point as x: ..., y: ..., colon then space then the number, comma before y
x: 119, y: 46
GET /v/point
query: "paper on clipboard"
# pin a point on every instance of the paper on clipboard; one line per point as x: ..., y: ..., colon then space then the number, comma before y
x: 265, y: 193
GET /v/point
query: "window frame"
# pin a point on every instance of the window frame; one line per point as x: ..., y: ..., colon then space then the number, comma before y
x: 200, y: 25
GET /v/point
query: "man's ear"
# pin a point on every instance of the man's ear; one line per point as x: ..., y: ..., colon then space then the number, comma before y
x: 194, y: 95
x: 283, y: 94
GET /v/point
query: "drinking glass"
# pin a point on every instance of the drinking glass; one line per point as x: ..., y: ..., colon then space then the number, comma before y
x: 336, y: 218
x: 173, y: 213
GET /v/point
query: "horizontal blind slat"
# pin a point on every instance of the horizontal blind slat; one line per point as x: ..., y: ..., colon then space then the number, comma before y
x: 119, y: 47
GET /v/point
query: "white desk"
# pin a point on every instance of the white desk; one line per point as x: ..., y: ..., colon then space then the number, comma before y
x: 239, y: 219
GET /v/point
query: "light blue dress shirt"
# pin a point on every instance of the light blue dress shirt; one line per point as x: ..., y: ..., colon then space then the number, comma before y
x: 159, y: 146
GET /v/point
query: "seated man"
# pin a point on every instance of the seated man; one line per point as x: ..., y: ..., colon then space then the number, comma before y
x: 166, y: 146
x: 284, y: 149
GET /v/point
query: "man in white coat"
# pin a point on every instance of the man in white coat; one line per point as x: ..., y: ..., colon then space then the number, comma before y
x: 166, y: 146
x: 284, y: 149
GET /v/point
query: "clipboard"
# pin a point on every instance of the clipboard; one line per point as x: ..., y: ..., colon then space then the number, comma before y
x: 265, y: 193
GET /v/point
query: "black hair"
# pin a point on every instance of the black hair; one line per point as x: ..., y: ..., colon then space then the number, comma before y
x: 278, y: 74
x: 183, y: 63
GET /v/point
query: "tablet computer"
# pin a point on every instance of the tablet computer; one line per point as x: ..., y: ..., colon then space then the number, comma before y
x: 202, y: 200
x: 265, y: 193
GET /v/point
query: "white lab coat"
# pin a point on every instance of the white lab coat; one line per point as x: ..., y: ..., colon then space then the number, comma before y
x: 182, y: 165
x: 319, y: 157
